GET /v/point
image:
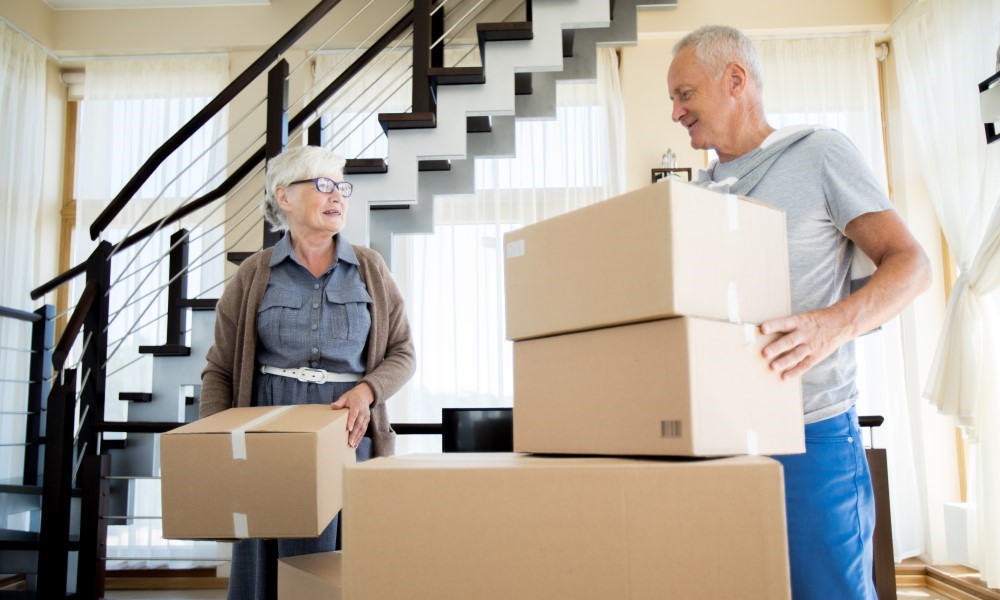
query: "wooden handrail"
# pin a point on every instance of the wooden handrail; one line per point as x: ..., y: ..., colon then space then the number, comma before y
x: 237, y: 85
x: 58, y: 280
x: 250, y: 163
x: 74, y: 325
x: 20, y: 315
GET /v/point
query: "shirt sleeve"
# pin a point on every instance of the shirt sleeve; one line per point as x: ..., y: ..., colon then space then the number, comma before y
x: 849, y: 185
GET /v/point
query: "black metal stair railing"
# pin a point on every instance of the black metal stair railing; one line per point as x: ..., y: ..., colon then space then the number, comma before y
x: 76, y: 459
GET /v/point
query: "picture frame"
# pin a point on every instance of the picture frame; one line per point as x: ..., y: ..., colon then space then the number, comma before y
x: 659, y: 173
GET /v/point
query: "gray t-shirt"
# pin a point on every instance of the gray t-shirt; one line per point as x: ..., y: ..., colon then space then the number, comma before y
x: 822, y: 183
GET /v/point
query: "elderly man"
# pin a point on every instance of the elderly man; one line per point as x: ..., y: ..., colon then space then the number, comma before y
x: 832, y: 201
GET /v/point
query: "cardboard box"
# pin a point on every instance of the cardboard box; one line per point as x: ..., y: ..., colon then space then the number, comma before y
x: 310, y: 577
x: 460, y: 526
x: 263, y: 472
x: 666, y: 250
x: 675, y: 387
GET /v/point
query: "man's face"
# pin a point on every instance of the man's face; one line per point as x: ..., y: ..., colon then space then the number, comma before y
x: 700, y: 102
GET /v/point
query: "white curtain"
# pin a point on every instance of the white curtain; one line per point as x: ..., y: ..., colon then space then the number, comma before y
x: 944, y: 48
x: 130, y: 107
x: 22, y: 127
x: 833, y: 81
x: 453, y: 280
x: 612, y: 104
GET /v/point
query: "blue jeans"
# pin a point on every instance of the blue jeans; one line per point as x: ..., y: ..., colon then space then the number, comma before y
x: 249, y: 576
x: 830, y: 509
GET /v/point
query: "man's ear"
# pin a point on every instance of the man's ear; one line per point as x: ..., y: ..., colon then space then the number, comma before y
x: 736, y: 78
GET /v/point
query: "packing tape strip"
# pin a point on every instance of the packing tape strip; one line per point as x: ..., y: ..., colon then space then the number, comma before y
x: 733, y: 210
x: 749, y: 333
x: 733, y: 302
x: 752, y: 448
x: 239, y: 435
x: 240, y: 527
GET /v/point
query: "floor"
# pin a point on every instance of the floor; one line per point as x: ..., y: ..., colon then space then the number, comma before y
x: 901, y: 594
x: 167, y: 595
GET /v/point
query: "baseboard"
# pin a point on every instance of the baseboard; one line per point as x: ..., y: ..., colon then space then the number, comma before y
x: 953, y: 581
x: 13, y: 583
x: 165, y: 579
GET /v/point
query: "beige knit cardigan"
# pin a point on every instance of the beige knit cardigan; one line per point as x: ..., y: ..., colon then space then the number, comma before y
x: 227, y: 380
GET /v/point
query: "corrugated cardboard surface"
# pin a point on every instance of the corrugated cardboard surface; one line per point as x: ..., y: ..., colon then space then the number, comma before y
x: 678, y: 387
x: 310, y: 577
x: 459, y: 526
x: 669, y: 249
x: 289, y: 485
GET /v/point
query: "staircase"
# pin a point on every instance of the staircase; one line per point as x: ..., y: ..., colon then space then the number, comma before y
x: 457, y: 114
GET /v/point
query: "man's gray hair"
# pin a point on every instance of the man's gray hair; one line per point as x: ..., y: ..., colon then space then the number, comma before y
x: 716, y: 46
x: 301, y: 162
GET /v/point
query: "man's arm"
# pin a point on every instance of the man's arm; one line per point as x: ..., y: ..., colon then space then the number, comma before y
x: 902, y: 273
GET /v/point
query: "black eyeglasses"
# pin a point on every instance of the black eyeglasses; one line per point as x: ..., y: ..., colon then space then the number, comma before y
x: 327, y: 185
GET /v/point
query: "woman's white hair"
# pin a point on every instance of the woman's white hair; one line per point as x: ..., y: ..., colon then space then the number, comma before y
x: 300, y: 162
x: 716, y: 46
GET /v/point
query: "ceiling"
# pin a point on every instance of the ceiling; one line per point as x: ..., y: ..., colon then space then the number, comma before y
x: 101, y: 4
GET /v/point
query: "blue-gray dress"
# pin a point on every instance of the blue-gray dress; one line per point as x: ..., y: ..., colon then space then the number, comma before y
x: 303, y: 321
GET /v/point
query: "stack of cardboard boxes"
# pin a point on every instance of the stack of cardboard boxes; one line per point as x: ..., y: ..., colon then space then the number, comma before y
x: 637, y: 365
x: 634, y: 328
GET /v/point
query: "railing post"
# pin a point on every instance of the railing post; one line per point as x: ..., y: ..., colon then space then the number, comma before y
x: 53, y: 552
x: 92, y: 565
x: 314, y: 137
x: 95, y: 351
x: 277, y: 126
x: 437, y: 33
x: 176, y: 292
x: 39, y: 373
x: 423, y: 100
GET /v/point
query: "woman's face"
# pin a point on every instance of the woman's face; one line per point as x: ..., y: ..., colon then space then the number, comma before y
x: 310, y: 211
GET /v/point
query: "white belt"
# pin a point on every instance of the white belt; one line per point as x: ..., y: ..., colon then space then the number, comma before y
x: 307, y: 375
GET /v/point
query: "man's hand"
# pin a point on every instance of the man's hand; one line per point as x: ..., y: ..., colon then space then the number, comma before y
x: 358, y: 400
x: 808, y: 338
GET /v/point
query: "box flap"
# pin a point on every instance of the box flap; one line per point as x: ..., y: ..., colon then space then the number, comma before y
x: 301, y: 418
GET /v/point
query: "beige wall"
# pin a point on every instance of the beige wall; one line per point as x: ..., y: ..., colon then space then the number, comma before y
x: 764, y: 16
x: 80, y: 33
x: 33, y: 17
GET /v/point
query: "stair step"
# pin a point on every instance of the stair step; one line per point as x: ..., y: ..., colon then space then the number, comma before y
x: 357, y: 166
x: 478, y: 124
x: 135, y: 396
x: 522, y: 84
x: 504, y: 32
x: 137, y: 426
x: 568, y: 35
x: 166, y: 350
x: 30, y: 490
x: 11, y: 539
x: 198, y: 303
x: 237, y: 258
x: 417, y: 120
x: 456, y: 75
x: 434, y: 165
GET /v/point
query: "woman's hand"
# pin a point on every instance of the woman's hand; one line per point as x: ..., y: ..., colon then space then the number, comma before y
x: 358, y: 401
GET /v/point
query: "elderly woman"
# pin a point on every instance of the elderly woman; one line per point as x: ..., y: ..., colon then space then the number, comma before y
x: 312, y: 306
